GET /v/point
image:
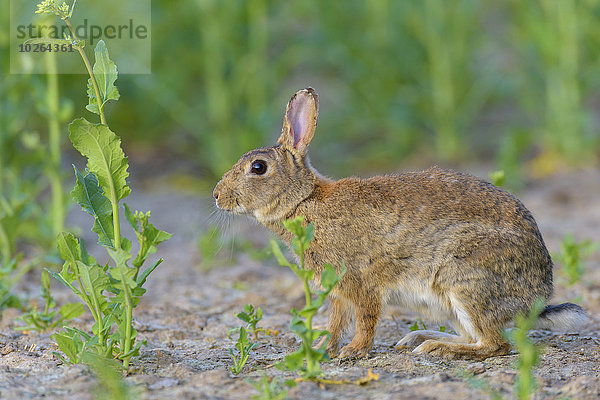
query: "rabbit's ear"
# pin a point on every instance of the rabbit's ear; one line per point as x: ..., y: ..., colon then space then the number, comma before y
x: 300, y: 120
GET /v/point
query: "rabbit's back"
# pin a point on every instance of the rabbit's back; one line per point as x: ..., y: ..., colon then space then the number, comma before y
x: 443, y: 228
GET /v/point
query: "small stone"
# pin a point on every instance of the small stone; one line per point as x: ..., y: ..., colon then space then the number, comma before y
x: 476, y: 368
x: 7, y: 349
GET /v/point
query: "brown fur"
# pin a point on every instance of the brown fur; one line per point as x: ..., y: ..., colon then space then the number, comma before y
x: 442, y: 243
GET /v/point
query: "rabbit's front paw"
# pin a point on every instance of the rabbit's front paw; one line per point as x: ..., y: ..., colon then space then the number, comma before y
x: 352, y: 351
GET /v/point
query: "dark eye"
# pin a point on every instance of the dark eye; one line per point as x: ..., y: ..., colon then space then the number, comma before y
x: 259, y: 167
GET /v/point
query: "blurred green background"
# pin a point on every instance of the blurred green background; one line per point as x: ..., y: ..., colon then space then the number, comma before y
x: 443, y: 81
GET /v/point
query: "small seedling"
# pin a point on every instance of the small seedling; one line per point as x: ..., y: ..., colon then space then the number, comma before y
x: 48, y: 318
x: 528, y: 352
x: 415, y: 326
x: 251, y: 316
x: 270, y: 388
x: 243, y: 346
x: 306, y: 360
x: 572, y: 257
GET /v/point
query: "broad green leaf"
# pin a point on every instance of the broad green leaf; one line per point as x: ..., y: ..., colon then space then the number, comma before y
x: 95, y: 281
x: 67, y: 345
x: 105, y: 72
x: 65, y: 277
x: 295, y: 360
x: 243, y: 316
x: 71, y: 310
x: 106, y: 159
x: 126, y: 273
x: 46, y: 280
x: 120, y: 256
x: 329, y: 277
x: 68, y: 247
x: 295, y: 226
x: 90, y: 196
x: 309, y: 234
x: 85, y: 257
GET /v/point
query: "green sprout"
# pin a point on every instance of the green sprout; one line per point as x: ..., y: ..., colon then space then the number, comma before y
x: 306, y: 360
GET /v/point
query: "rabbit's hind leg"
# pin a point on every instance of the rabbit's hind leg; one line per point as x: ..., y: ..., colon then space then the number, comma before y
x: 482, y: 334
x: 491, y: 345
x: 415, y: 338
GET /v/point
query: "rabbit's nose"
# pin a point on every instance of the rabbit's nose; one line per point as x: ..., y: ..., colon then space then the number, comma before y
x: 216, y: 194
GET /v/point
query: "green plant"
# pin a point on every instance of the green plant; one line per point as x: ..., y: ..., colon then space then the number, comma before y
x: 572, y: 257
x: 306, y: 360
x: 251, y: 316
x: 269, y: 388
x: 110, y: 384
x: 49, y: 319
x: 498, y: 178
x: 110, y: 292
x: 32, y: 207
x: 528, y: 353
x: 243, y: 346
x: 10, y: 274
x: 415, y: 326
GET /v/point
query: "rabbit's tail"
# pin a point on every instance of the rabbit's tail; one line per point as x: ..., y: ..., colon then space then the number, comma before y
x: 562, y: 317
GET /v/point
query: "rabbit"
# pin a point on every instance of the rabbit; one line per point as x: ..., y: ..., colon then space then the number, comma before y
x: 445, y: 244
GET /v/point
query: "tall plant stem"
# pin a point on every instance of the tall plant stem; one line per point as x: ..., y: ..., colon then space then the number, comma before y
x: 128, y: 322
x: 52, y: 100
x: 88, y: 66
x: 4, y: 246
x: 307, y: 346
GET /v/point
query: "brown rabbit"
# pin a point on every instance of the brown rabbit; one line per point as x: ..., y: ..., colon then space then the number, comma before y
x: 445, y: 244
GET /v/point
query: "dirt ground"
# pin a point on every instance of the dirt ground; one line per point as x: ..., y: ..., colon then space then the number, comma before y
x: 187, y: 311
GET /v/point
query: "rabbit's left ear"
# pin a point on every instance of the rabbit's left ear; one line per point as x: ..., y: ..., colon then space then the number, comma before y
x: 300, y: 120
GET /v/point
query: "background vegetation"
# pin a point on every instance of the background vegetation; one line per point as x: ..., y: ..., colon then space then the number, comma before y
x: 451, y: 81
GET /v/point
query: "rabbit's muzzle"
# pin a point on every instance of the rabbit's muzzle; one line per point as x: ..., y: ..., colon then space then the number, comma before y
x: 227, y: 200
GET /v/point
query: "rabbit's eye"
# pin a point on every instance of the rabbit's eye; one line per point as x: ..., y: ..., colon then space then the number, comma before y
x: 259, y: 167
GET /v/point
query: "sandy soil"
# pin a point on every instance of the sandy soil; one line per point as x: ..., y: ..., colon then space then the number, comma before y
x: 188, y: 310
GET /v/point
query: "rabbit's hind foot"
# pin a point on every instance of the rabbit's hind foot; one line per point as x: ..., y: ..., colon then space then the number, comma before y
x: 415, y: 338
x: 469, y: 351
